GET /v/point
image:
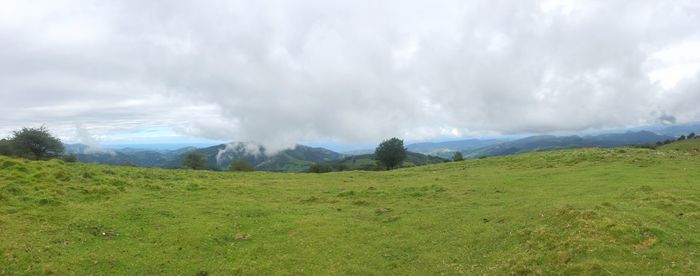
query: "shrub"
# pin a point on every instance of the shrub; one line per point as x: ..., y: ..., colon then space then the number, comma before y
x: 6, y: 147
x: 240, y: 166
x: 195, y: 160
x: 320, y: 168
x: 70, y: 158
x: 458, y: 156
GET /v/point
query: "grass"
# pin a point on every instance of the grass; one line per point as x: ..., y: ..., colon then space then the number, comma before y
x: 688, y: 145
x: 585, y: 211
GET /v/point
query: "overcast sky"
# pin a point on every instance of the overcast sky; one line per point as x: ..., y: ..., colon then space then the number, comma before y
x: 283, y: 72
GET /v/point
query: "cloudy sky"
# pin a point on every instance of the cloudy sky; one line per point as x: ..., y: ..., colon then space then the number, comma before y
x: 347, y: 72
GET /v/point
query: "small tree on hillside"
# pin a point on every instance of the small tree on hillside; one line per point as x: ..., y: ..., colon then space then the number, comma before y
x: 691, y: 135
x: 195, y: 160
x: 681, y: 138
x: 458, y: 156
x: 320, y: 168
x: 390, y: 153
x: 6, y: 147
x: 35, y: 143
x: 240, y: 166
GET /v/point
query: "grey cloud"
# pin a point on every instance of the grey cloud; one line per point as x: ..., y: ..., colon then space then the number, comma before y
x: 280, y: 72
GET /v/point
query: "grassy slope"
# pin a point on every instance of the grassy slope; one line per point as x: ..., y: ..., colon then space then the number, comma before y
x: 689, y: 145
x: 622, y: 211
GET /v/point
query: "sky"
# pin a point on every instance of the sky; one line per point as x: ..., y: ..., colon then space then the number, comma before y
x: 344, y: 72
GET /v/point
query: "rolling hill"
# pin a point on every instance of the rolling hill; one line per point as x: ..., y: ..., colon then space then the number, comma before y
x: 550, y: 142
x: 448, y: 149
x: 300, y: 158
x: 219, y: 157
x: 688, y: 145
x: 367, y: 161
x: 621, y: 211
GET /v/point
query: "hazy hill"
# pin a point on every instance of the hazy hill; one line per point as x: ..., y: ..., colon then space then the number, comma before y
x: 219, y: 157
x: 447, y: 149
x: 296, y: 159
x: 549, y: 142
x: 300, y: 158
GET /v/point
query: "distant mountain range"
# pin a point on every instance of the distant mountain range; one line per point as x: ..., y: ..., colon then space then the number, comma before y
x: 300, y: 158
x: 447, y: 149
x: 549, y: 142
x: 473, y: 148
x: 218, y: 157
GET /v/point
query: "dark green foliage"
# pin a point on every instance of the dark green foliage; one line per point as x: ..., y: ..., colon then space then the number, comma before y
x: 320, y: 168
x: 390, y: 153
x: 35, y: 143
x: 6, y: 147
x: 681, y: 138
x: 241, y: 166
x: 691, y: 135
x: 195, y: 160
x: 70, y: 158
x: 458, y: 156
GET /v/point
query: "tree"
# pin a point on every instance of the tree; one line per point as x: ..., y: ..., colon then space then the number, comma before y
x: 35, y: 143
x: 681, y: 138
x: 320, y: 168
x: 70, y: 158
x: 691, y: 135
x: 6, y: 147
x: 390, y: 153
x: 458, y: 156
x: 195, y: 160
x: 240, y: 166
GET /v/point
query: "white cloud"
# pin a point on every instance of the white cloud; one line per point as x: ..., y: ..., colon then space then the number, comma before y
x: 281, y: 72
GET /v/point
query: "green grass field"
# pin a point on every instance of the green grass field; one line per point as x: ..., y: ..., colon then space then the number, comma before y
x: 585, y: 211
x: 689, y: 145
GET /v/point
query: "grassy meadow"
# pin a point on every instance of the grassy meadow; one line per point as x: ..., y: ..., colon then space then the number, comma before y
x: 584, y: 211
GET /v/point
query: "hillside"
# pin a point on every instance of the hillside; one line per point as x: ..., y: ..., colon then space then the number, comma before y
x: 688, y: 145
x: 448, y: 149
x: 550, y: 142
x: 218, y: 157
x: 367, y: 161
x: 584, y: 211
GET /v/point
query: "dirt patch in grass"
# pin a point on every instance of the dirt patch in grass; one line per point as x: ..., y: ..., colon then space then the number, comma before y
x: 649, y: 240
x: 390, y: 218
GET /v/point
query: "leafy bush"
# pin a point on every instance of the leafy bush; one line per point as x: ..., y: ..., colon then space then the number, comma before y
x: 6, y: 147
x: 458, y: 156
x: 320, y: 168
x: 195, y: 160
x: 241, y: 166
x: 70, y: 158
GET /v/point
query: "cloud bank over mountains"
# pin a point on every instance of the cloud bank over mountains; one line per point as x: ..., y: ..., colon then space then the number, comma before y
x: 283, y: 72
